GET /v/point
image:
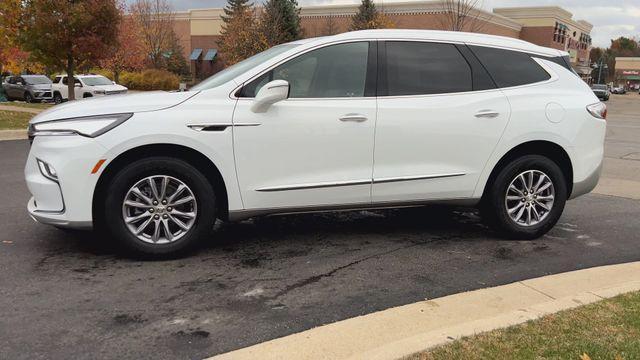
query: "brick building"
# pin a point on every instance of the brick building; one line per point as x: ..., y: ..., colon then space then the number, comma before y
x: 549, y: 26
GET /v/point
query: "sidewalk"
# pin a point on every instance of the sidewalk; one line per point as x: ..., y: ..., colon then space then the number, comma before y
x: 405, y: 330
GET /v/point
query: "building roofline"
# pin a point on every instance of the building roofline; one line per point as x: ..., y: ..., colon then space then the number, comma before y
x: 554, y: 12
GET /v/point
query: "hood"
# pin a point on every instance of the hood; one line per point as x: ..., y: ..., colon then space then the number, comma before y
x: 109, y: 87
x: 105, y: 105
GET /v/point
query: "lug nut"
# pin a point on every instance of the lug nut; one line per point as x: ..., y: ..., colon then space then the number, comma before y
x: 169, y: 208
x: 151, y: 210
x: 164, y: 202
x: 155, y: 202
x: 156, y: 217
x: 165, y: 216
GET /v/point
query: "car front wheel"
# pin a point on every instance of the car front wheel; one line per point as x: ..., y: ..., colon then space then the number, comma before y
x: 160, y: 206
x: 28, y: 98
x: 527, y: 197
x: 57, y: 99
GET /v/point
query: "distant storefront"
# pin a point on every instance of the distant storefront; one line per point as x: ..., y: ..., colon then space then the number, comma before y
x: 628, y: 72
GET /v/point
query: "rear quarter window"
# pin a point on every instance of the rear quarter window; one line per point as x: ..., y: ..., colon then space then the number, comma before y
x: 510, y: 68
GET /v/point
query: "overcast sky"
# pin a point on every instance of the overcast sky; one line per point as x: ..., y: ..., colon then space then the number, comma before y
x: 611, y: 18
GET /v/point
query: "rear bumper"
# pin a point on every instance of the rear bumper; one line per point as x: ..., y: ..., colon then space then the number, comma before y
x: 588, y: 184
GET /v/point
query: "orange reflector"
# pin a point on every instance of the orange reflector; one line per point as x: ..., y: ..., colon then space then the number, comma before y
x: 98, y: 165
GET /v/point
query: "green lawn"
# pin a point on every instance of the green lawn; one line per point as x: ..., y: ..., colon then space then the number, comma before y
x: 608, y: 329
x: 14, y: 119
x: 43, y: 106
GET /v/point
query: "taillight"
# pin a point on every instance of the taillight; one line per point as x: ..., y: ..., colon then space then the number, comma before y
x: 598, y: 110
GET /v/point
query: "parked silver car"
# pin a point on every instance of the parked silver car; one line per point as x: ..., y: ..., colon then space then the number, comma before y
x: 30, y: 88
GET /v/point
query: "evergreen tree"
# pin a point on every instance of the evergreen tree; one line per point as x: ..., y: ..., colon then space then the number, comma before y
x: 368, y: 17
x: 281, y: 21
x: 233, y: 8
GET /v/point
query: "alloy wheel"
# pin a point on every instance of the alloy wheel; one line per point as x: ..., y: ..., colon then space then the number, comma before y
x: 529, y: 198
x: 159, y: 209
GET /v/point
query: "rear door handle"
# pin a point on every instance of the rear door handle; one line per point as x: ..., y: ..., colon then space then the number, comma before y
x: 487, y: 114
x: 353, y: 118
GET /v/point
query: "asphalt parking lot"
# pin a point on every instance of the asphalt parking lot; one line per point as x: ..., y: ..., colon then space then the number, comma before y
x: 67, y: 295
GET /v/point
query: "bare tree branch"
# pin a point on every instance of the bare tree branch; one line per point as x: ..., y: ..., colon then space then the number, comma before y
x: 462, y: 15
x: 155, y: 18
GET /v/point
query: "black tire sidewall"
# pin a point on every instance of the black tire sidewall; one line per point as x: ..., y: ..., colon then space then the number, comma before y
x: 181, y: 170
x: 57, y: 97
x: 28, y: 98
x: 504, y: 178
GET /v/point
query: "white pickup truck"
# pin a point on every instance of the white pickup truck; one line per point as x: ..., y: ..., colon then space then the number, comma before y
x: 86, y: 86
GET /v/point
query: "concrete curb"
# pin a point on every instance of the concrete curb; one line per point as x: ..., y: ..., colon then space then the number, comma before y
x: 13, y: 135
x: 20, y: 109
x: 402, y: 331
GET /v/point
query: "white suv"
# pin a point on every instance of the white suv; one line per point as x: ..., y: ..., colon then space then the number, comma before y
x: 86, y: 86
x: 367, y: 119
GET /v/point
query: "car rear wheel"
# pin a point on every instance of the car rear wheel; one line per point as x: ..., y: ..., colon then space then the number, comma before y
x: 526, y: 198
x: 160, y: 206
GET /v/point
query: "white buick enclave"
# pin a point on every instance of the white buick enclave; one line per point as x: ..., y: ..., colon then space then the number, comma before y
x: 367, y: 119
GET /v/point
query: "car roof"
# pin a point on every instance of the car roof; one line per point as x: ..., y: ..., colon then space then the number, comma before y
x: 452, y: 36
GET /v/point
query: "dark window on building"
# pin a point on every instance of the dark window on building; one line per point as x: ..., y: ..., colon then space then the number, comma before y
x: 510, y: 68
x: 415, y: 68
x: 332, y: 71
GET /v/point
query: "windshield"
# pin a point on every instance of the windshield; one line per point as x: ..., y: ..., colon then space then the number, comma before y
x: 238, y: 69
x: 96, y: 80
x: 37, y: 80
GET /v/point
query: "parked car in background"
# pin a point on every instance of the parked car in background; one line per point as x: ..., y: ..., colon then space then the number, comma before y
x: 29, y: 88
x: 619, y: 90
x: 601, y: 91
x: 86, y: 86
x: 459, y: 118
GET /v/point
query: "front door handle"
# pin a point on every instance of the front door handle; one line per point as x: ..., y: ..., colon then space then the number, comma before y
x: 353, y: 117
x: 487, y: 114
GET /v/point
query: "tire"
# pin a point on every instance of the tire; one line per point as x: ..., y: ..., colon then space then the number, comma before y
x: 28, y: 98
x: 177, y: 240
x: 495, y: 205
x: 57, y: 98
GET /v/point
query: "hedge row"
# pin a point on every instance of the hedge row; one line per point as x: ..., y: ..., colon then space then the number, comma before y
x: 150, y: 79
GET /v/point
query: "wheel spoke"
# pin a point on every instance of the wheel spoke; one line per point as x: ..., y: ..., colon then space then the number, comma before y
x: 514, y: 198
x: 545, y: 198
x: 515, y: 208
x: 543, y: 205
x: 136, y: 204
x: 536, y: 215
x: 184, y: 200
x: 156, y: 232
x: 163, y: 187
x: 144, y: 225
x: 188, y: 215
x: 519, y: 215
x: 540, y: 181
x: 179, y: 222
x: 544, y: 187
x: 154, y: 189
x: 167, y: 232
x: 133, y: 219
x: 530, y: 184
x: 514, y: 188
x: 141, y: 196
x: 180, y: 189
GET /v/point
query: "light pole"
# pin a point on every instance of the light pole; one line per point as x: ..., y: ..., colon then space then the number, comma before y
x: 600, y: 65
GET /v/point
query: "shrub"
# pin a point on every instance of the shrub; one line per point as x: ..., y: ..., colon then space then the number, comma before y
x: 150, y: 79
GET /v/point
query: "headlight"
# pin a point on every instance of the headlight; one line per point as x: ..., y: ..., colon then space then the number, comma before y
x: 90, y: 126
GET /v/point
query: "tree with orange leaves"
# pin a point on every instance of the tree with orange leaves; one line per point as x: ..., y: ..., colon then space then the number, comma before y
x: 129, y: 53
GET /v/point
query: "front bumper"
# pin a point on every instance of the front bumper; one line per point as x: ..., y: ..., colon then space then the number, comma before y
x: 67, y: 201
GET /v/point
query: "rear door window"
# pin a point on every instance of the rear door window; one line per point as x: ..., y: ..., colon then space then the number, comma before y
x: 510, y: 68
x: 422, y: 68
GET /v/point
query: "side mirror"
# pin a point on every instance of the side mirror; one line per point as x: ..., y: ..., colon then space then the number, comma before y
x: 78, y: 85
x: 113, y: 82
x: 270, y: 94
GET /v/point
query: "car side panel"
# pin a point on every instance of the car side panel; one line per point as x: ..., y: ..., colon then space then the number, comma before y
x: 553, y: 111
